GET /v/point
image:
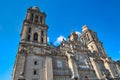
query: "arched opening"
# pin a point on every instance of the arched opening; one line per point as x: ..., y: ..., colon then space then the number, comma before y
x: 31, y: 18
x: 42, y: 33
x: 42, y: 40
x: 28, y: 37
x: 29, y: 31
x: 41, y: 19
x: 86, y: 78
x: 36, y: 18
x: 35, y: 37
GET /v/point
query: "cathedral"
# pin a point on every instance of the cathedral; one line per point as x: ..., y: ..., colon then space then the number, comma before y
x: 78, y: 58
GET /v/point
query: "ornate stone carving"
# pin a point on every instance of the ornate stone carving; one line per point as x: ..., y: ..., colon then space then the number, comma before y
x: 22, y: 49
x: 47, y: 52
x: 30, y: 49
x: 37, y: 50
x: 21, y: 77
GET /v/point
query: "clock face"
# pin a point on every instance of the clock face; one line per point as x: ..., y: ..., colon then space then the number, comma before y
x: 59, y: 64
x: 37, y: 50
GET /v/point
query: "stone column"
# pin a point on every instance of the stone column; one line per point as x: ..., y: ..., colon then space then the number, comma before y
x: 39, y: 37
x: 24, y: 33
x: 107, y: 66
x: 28, y: 16
x: 96, y: 68
x: 43, y: 21
x: 48, y: 68
x: 32, y: 35
x: 45, y: 37
x: 118, y: 69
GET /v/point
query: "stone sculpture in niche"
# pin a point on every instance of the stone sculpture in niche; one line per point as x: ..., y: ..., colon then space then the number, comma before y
x: 72, y: 65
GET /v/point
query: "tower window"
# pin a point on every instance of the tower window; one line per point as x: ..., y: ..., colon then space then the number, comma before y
x: 42, y: 40
x: 29, y: 30
x: 28, y: 37
x: 36, y: 18
x: 41, y: 18
x: 35, y: 72
x: 35, y: 62
x: 36, y: 21
x: 87, y: 37
x: 32, y: 15
x: 42, y: 33
x: 35, y: 37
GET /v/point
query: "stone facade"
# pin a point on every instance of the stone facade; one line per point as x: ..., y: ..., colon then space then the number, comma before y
x: 80, y: 58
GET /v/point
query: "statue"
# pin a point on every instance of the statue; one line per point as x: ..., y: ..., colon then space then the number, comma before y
x: 72, y: 65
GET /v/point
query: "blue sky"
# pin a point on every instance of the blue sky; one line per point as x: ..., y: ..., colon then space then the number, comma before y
x: 63, y: 17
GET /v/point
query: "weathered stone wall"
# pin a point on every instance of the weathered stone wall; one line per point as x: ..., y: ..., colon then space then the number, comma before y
x: 19, y: 66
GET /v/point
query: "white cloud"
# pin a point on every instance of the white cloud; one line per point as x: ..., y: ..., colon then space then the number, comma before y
x: 59, y: 40
x: 48, y: 39
x: 78, y: 33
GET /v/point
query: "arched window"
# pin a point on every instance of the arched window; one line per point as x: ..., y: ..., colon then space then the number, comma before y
x: 42, y: 33
x: 29, y: 30
x: 86, y: 78
x: 28, y: 37
x: 42, y: 40
x: 32, y: 15
x: 41, y: 19
x: 36, y: 18
x: 35, y: 37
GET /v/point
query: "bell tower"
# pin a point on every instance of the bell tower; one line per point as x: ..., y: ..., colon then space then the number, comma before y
x: 89, y: 37
x: 34, y: 27
x: 33, y: 40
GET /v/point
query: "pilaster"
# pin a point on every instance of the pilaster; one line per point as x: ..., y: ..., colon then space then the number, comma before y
x: 49, y: 68
x: 19, y: 67
x: 24, y: 33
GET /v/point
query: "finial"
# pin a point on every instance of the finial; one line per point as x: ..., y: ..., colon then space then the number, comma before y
x: 84, y: 28
x: 36, y: 8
